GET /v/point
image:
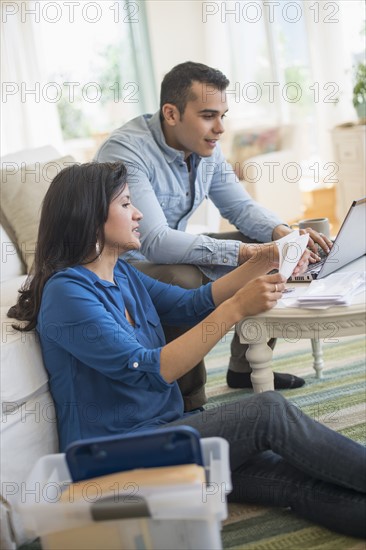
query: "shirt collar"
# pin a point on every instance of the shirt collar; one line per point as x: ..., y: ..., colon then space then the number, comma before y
x: 94, y: 277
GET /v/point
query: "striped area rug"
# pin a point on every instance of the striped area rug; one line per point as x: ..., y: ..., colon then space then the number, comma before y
x: 338, y: 400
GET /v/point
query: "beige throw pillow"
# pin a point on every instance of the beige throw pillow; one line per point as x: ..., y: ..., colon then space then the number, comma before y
x: 23, y: 188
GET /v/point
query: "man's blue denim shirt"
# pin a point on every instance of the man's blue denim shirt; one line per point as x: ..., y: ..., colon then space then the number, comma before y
x: 167, y: 195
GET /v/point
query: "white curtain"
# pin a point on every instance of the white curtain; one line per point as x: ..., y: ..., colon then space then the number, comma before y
x: 28, y: 119
x: 331, y: 67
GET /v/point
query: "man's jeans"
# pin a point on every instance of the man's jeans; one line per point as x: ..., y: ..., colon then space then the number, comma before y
x: 281, y: 457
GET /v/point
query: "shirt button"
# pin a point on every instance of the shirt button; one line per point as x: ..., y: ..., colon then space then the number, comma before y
x: 135, y: 365
x: 225, y: 260
x: 187, y: 194
x: 163, y: 204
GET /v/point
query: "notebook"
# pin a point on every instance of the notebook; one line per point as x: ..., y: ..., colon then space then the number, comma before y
x: 349, y: 245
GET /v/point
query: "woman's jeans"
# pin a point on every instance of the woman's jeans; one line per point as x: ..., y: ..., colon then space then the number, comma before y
x: 281, y: 457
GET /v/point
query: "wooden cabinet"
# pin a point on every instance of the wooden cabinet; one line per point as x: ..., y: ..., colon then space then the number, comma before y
x: 349, y: 151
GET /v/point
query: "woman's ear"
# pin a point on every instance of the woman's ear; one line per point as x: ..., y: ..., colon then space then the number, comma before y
x: 170, y: 114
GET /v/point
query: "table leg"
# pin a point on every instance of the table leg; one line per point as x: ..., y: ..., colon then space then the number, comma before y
x: 259, y: 356
x: 318, y: 357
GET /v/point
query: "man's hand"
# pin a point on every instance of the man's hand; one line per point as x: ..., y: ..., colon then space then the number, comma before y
x: 315, y: 240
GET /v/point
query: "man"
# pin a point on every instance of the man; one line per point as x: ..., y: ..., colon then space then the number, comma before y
x: 175, y: 162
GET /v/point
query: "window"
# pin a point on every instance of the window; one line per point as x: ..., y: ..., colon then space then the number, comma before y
x: 93, y: 57
x: 270, y: 61
x: 291, y: 64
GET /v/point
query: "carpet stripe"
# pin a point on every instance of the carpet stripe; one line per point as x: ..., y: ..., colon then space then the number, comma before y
x: 280, y: 530
x: 337, y: 400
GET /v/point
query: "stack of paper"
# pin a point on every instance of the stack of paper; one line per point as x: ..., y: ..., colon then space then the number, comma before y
x: 337, y: 289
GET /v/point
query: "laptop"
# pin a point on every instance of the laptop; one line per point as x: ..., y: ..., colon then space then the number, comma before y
x: 349, y: 245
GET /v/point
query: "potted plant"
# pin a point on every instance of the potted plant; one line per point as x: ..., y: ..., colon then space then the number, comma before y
x: 359, y: 91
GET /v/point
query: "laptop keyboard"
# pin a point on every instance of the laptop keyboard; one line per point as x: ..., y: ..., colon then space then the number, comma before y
x: 315, y: 268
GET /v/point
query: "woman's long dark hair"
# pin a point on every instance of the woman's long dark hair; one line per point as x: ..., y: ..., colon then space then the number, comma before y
x: 74, y: 211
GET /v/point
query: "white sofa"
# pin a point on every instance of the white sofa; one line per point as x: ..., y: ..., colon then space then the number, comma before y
x: 28, y: 425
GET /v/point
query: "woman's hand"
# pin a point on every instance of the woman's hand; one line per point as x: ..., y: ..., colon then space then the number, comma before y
x: 180, y: 355
x: 253, y: 252
x: 258, y: 295
x: 261, y: 258
x: 303, y: 263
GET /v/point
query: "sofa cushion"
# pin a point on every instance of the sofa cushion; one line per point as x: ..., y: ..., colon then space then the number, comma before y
x: 28, y: 422
x: 9, y: 290
x: 27, y: 433
x: 11, y: 264
x: 22, y: 372
x: 23, y: 188
x: 28, y: 427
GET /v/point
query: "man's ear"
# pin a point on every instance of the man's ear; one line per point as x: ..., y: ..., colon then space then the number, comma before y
x: 170, y: 113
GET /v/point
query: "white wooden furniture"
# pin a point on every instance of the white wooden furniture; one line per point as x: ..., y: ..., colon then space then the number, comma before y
x: 350, y: 156
x: 295, y: 323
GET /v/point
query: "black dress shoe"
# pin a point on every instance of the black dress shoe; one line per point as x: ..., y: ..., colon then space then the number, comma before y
x: 281, y: 381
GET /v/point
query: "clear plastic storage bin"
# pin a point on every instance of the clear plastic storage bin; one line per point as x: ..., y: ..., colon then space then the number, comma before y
x: 152, y: 518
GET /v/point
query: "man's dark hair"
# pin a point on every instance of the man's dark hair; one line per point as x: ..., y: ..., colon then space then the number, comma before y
x: 176, y: 85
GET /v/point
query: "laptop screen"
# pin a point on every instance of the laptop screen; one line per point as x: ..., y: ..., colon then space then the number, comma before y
x: 350, y: 243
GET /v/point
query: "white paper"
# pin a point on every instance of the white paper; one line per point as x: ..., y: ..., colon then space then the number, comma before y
x: 290, y: 249
x: 337, y: 289
x: 336, y: 285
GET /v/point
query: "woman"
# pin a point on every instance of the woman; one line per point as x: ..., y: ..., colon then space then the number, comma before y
x: 111, y: 372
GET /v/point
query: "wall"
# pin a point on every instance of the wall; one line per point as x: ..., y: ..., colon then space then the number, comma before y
x: 178, y: 33
x: 181, y: 30
x: 175, y: 34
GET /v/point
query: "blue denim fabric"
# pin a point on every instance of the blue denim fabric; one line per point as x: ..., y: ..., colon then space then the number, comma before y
x: 105, y: 375
x: 281, y: 457
x: 163, y: 190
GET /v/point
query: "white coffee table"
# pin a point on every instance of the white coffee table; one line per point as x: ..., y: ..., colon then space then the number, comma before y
x: 317, y: 325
